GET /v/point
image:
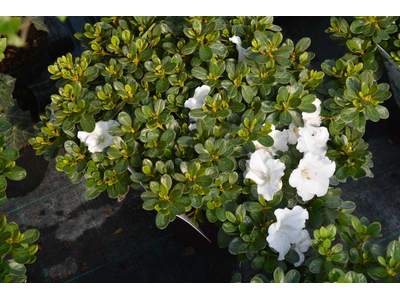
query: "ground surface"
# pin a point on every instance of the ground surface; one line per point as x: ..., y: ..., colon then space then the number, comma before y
x: 102, y: 240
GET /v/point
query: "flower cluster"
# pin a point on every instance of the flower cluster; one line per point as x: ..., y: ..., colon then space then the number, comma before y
x: 312, y: 175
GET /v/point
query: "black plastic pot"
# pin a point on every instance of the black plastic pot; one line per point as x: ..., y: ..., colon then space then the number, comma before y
x: 393, y: 72
x: 26, y: 100
x: 35, y: 167
x: 393, y: 75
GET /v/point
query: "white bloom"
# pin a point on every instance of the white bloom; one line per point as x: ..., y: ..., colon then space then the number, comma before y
x: 302, y: 246
x: 266, y: 172
x: 313, y: 139
x: 312, y: 176
x: 313, y: 119
x: 293, y: 132
x: 241, y: 51
x: 198, y: 99
x: 99, y: 138
x: 280, y: 141
x: 287, y: 229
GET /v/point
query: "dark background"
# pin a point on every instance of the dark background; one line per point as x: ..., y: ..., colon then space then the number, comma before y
x: 103, y: 240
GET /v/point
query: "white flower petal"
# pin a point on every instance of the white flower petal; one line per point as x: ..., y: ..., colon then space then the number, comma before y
x: 312, y: 176
x: 291, y: 222
x: 287, y: 230
x: 302, y: 246
x: 265, y: 172
x: 279, y: 242
x: 313, y: 139
x: 293, y: 133
x: 83, y: 136
x: 280, y: 140
x: 313, y: 119
x: 241, y: 51
x: 198, y: 98
x: 99, y: 138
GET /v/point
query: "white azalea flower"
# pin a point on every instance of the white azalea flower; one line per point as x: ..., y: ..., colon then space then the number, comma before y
x: 293, y: 133
x: 198, y: 100
x: 312, y: 176
x: 313, y: 119
x: 241, y: 51
x: 313, y: 139
x: 287, y: 229
x: 280, y: 141
x: 302, y: 246
x: 266, y: 172
x: 99, y: 138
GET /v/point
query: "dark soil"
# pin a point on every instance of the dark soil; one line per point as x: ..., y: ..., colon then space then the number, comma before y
x: 15, y: 58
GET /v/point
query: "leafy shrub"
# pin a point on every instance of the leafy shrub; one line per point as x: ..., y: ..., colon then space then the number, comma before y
x: 204, y: 121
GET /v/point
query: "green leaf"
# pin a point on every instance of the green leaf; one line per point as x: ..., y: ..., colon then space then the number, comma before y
x: 372, y: 113
x: 114, y: 153
x: 190, y: 47
x: 237, y: 278
x: 266, y: 140
x: 383, y: 112
x: 293, y: 276
x: 279, y: 275
x: 4, y: 126
x: 20, y: 255
x: 87, y: 122
x: 7, y: 84
x: 30, y: 236
x: 162, y: 85
x: 219, y: 49
x: 16, y: 173
x: 205, y: 53
x: 285, y: 118
x: 393, y: 250
x: 125, y: 119
x: 92, y: 193
x: 22, y: 129
x: 9, y: 154
x: 225, y: 164
x: 316, y: 265
x: 349, y: 114
x: 247, y: 93
x: 4, y: 249
x: 162, y: 221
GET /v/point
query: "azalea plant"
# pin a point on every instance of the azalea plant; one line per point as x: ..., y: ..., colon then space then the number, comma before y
x: 363, y: 34
x: 15, y: 248
x: 221, y: 120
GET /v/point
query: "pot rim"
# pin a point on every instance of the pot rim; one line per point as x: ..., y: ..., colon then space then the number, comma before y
x: 387, y: 57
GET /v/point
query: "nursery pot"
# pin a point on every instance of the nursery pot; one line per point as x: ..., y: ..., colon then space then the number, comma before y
x: 26, y: 100
x: 34, y: 165
x: 27, y: 63
x: 393, y: 73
